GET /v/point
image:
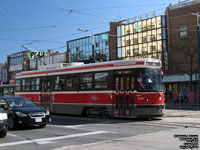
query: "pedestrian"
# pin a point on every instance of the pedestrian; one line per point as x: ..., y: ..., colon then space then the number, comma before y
x: 185, y: 96
x: 170, y: 96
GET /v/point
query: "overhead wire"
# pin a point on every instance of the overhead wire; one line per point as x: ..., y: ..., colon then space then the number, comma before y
x: 69, y: 12
x: 48, y: 40
x: 57, y: 24
x: 61, y: 10
x: 46, y: 27
x: 117, y: 7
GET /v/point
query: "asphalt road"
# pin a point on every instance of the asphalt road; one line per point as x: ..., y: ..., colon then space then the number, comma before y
x: 70, y: 132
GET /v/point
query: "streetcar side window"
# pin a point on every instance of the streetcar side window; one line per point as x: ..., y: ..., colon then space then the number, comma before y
x: 18, y: 85
x: 132, y: 83
x: 59, y: 83
x: 85, y: 81
x: 122, y: 84
x: 101, y: 80
x: 35, y: 84
x: 26, y: 84
x: 71, y: 83
x: 117, y: 84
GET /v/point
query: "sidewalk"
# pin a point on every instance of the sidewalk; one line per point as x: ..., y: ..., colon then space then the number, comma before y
x: 182, y: 106
x: 163, y: 140
x: 171, y: 139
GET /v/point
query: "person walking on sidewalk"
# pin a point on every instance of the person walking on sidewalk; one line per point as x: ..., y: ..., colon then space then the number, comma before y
x: 185, y: 96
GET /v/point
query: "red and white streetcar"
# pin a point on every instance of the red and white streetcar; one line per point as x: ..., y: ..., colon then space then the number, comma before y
x: 122, y: 88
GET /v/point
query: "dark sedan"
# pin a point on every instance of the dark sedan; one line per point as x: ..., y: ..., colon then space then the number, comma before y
x: 22, y: 111
x: 3, y: 123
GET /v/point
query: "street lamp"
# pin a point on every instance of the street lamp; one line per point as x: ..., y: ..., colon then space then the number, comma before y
x: 89, y: 33
x: 198, y: 40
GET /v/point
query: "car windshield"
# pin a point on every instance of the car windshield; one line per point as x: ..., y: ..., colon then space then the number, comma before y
x: 150, y: 80
x: 20, y: 102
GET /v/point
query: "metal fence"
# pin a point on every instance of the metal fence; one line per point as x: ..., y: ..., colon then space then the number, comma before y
x: 181, y: 102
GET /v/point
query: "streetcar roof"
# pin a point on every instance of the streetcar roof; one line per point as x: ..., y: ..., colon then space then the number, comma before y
x: 94, y: 67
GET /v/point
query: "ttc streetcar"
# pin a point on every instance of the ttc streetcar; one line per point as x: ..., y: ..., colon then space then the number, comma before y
x: 122, y: 88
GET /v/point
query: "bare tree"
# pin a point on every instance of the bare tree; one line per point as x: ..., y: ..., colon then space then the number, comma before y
x: 187, y: 58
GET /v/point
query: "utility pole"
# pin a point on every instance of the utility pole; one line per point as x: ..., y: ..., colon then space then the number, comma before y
x: 198, y: 36
x: 198, y: 40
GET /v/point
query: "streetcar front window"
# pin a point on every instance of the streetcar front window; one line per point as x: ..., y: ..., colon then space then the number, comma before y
x: 150, y: 80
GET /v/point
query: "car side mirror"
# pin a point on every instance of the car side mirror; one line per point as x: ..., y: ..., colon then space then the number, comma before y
x: 5, y: 107
x: 2, y: 106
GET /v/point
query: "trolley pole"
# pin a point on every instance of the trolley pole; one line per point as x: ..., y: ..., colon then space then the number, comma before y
x: 91, y: 35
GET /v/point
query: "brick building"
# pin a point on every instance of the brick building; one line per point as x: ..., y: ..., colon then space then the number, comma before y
x: 182, y: 50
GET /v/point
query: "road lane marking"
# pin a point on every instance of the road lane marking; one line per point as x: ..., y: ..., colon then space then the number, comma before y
x: 51, y: 139
x: 170, y: 125
x: 45, y: 142
x: 72, y: 126
x: 81, y: 146
x: 12, y: 135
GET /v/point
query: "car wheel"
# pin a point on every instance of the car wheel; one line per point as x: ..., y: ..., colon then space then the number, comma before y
x: 3, y: 133
x: 10, y: 123
x: 42, y: 125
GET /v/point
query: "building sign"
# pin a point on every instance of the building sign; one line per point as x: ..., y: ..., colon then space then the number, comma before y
x: 179, y: 78
x: 37, y: 54
x: 16, y: 67
x: 12, y: 81
x: 4, y: 74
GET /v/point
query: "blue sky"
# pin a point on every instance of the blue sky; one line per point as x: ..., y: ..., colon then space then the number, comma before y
x: 48, y: 24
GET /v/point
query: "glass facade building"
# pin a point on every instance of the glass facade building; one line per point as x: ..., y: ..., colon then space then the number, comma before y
x: 17, y: 58
x: 142, y: 39
x: 17, y: 62
x: 89, y: 48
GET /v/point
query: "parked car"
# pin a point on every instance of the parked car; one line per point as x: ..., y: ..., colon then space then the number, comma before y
x: 3, y: 123
x: 22, y: 111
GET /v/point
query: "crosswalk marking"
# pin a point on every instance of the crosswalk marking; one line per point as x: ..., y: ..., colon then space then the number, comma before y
x: 43, y: 140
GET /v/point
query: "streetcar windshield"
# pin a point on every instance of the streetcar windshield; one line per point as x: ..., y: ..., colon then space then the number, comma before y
x: 150, y: 80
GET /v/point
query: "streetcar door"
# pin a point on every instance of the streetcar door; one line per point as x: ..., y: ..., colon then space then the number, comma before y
x: 123, y: 95
x: 46, y: 95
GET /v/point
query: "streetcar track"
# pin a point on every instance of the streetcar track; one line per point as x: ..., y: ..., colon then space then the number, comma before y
x: 175, y: 125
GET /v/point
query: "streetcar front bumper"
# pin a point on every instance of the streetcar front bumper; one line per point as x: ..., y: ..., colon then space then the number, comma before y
x: 149, y: 111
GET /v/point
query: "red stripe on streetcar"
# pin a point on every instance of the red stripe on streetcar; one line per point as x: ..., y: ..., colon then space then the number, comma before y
x: 80, y: 68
